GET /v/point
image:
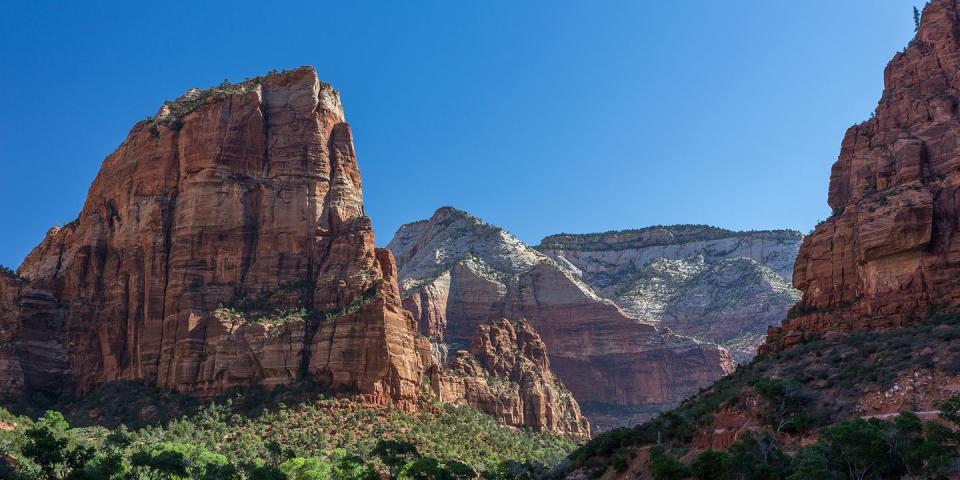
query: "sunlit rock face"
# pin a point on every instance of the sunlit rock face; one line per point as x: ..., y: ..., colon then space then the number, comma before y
x: 706, y: 282
x: 245, y: 197
x: 890, y: 253
x: 506, y: 373
x: 458, y: 273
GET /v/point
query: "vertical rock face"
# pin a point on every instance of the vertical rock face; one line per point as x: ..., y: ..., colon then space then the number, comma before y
x: 891, y: 250
x: 506, y: 373
x: 458, y: 273
x: 11, y: 373
x: 709, y: 283
x: 223, y: 243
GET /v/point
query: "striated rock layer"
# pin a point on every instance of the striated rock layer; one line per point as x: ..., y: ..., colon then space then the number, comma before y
x: 506, y: 373
x: 709, y: 283
x: 458, y: 273
x: 223, y: 243
x: 891, y: 251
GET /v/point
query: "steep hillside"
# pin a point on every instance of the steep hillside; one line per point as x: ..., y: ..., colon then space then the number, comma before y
x: 862, y: 379
x: 316, y: 438
x: 705, y: 282
x: 457, y: 273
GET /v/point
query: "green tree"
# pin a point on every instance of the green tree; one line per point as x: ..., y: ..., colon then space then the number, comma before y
x: 177, y: 461
x: 757, y: 456
x: 665, y: 467
x: 460, y: 470
x: 300, y: 468
x: 395, y: 454
x: 262, y: 471
x: 709, y: 465
x: 785, y: 405
x: 104, y: 466
x: 813, y: 463
x: 860, y: 447
x: 51, y: 445
x: 424, y: 469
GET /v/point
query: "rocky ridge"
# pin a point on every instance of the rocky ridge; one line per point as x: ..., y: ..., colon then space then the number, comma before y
x: 458, y: 273
x: 506, y: 373
x: 705, y: 282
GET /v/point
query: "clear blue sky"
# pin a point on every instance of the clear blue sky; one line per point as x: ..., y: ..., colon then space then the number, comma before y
x: 539, y: 116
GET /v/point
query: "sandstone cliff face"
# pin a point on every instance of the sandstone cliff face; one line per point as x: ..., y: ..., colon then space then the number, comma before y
x: 245, y: 197
x: 709, y: 283
x: 890, y: 251
x: 457, y: 273
x: 11, y: 373
x: 506, y: 373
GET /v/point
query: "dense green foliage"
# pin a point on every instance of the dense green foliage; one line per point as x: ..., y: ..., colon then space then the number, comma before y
x: 859, y: 449
x: 905, y: 447
x: 320, y: 439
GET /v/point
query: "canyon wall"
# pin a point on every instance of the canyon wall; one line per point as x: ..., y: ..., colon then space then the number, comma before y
x: 705, y: 282
x: 458, y: 273
x: 890, y: 255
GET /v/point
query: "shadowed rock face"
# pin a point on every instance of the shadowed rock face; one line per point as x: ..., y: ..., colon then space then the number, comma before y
x: 891, y: 249
x: 709, y: 283
x: 506, y: 373
x: 246, y: 196
x: 457, y: 273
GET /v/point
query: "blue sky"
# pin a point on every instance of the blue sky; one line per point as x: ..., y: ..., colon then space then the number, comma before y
x: 539, y: 116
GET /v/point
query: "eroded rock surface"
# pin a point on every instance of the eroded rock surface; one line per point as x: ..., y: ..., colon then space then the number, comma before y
x: 244, y: 200
x: 457, y: 273
x: 890, y: 252
x: 506, y: 373
x: 709, y: 283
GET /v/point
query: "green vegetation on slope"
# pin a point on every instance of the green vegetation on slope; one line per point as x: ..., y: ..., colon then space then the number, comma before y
x: 815, y: 385
x: 319, y: 439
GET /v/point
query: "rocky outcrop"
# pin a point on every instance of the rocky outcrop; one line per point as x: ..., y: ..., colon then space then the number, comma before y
x: 506, y: 373
x: 457, y: 273
x: 709, y: 283
x: 891, y: 251
x: 223, y: 243
x: 11, y: 372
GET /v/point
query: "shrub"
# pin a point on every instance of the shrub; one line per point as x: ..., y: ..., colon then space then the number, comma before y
x: 665, y: 467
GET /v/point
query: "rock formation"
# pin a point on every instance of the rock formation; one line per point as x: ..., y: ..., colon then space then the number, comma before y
x: 11, y: 374
x: 705, y: 282
x: 457, y: 273
x: 223, y: 243
x: 506, y: 373
x: 889, y: 252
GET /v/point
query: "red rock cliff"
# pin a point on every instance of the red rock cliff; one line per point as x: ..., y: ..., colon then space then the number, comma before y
x: 891, y: 250
x: 223, y: 243
x: 506, y: 373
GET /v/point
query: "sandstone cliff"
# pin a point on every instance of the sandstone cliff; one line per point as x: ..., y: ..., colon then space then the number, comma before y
x: 889, y: 252
x: 709, y: 283
x: 506, y: 373
x: 457, y: 273
x: 875, y: 333
x: 223, y: 243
